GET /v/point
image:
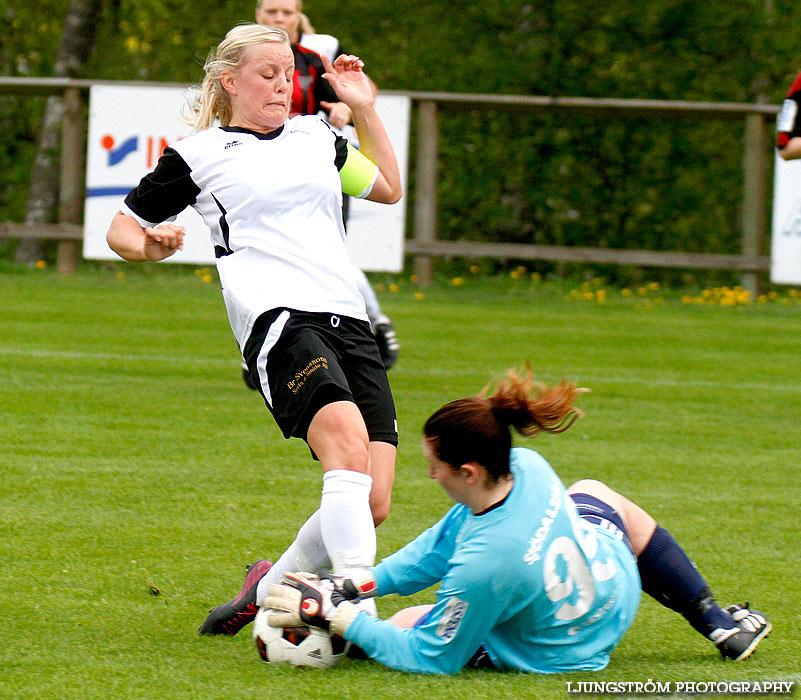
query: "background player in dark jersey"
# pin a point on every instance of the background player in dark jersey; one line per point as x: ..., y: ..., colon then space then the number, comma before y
x: 788, y: 123
x: 288, y: 15
x: 311, y: 92
x: 270, y: 191
x: 308, y: 97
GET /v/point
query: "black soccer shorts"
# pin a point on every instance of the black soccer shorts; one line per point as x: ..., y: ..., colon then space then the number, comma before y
x: 302, y: 361
x: 602, y: 515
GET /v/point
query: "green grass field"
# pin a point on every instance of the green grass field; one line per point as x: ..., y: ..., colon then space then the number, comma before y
x: 140, y: 476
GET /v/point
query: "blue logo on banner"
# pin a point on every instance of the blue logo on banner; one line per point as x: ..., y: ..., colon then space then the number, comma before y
x: 117, y: 155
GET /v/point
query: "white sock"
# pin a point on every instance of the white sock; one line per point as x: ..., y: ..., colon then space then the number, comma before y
x: 347, y: 525
x: 346, y: 521
x: 339, y: 536
x: 306, y: 553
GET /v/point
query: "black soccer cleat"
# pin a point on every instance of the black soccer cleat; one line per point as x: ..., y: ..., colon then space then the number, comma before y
x: 232, y: 616
x: 752, y: 627
x: 387, y: 342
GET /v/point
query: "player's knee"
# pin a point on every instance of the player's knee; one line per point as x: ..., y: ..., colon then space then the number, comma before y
x: 345, y: 451
x: 592, y: 487
x: 408, y: 617
x: 338, y: 436
x: 355, y: 457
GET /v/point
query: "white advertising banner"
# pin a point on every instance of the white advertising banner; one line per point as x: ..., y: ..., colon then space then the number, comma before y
x: 130, y: 126
x: 785, y: 257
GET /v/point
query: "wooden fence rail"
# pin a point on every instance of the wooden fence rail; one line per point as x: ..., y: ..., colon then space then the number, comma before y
x: 424, y: 244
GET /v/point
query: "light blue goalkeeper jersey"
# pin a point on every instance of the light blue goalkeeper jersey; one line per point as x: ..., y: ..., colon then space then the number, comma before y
x: 542, y: 589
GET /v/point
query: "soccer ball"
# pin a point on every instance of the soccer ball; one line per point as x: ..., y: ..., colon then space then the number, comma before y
x: 298, y: 646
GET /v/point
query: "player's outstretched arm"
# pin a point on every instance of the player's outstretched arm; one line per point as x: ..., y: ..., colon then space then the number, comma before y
x: 353, y: 87
x: 128, y: 239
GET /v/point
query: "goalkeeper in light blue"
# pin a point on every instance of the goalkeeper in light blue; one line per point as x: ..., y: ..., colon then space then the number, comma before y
x: 534, y: 577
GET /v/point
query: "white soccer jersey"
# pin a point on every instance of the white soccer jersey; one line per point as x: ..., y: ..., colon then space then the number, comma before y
x: 273, y: 204
x: 324, y: 44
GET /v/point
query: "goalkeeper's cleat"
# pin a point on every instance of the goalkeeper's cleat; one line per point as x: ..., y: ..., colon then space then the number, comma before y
x: 739, y: 643
x: 232, y: 616
x: 387, y: 342
x: 249, y: 383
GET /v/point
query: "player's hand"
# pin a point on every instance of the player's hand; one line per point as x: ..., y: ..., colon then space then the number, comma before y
x: 164, y: 240
x: 356, y: 588
x: 300, y: 599
x: 339, y: 113
x: 349, y: 80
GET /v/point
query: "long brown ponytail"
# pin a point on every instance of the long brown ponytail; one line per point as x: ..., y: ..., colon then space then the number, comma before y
x: 477, y: 429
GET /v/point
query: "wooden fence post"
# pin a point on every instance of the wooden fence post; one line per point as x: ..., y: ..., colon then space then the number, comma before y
x: 753, y: 213
x: 72, y: 177
x: 750, y: 262
x: 425, y: 195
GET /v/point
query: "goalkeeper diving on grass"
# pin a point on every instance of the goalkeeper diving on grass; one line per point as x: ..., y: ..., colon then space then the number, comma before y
x: 534, y: 577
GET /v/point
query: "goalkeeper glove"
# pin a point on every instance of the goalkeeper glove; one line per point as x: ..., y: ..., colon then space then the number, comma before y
x: 302, y: 599
x: 354, y: 588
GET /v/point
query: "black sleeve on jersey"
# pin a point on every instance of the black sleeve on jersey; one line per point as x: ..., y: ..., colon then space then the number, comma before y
x: 314, y: 88
x: 341, y: 146
x: 323, y: 92
x: 166, y: 191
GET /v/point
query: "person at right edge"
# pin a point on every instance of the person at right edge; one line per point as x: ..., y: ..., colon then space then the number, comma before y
x: 788, y: 125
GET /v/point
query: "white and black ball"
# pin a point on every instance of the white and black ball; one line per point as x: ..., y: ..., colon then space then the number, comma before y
x: 298, y: 646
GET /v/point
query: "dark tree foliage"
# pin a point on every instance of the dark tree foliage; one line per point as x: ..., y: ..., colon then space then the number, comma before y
x: 74, y: 48
x: 633, y: 182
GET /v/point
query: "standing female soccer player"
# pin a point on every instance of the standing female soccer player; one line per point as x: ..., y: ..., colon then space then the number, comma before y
x: 534, y: 577
x: 270, y: 191
x: 311, y: 93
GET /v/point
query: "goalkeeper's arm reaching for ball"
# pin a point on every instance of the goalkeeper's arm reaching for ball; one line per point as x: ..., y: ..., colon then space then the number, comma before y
x: 333, y: 604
